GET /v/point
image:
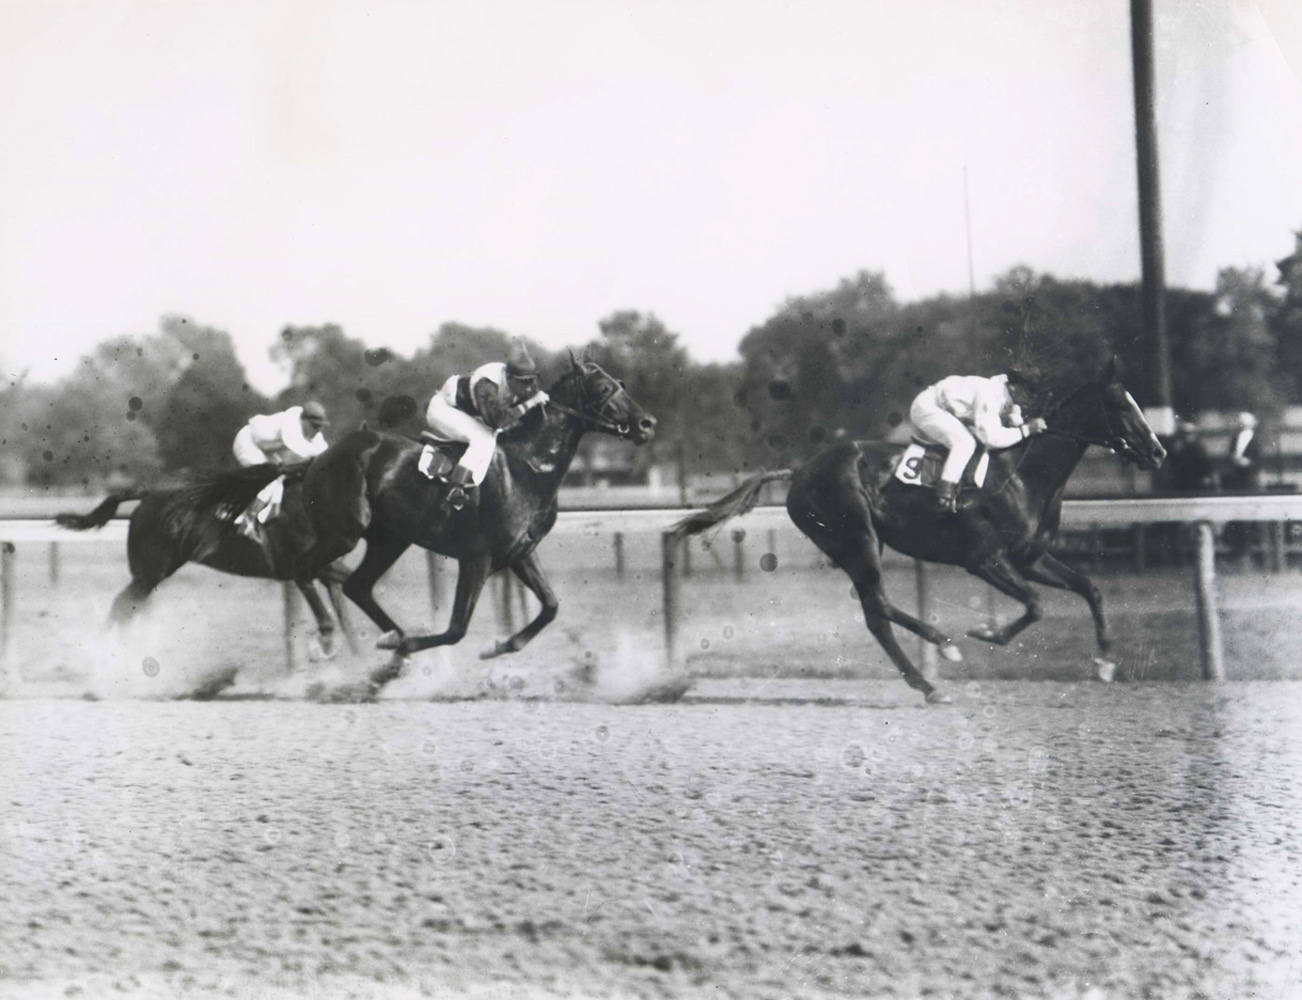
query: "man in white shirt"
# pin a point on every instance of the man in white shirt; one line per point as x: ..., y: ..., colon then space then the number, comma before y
x: 293, y: 435
x: 960, y: 410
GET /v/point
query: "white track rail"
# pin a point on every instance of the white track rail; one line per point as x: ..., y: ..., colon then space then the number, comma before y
x: 1094, y: 514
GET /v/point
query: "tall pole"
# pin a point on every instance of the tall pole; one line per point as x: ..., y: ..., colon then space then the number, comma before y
x: 1161, y: 416
x: 967, y: 225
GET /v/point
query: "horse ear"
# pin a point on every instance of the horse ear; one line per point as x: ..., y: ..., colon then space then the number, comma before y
x: 1110, y: 369
x: 574, y: 362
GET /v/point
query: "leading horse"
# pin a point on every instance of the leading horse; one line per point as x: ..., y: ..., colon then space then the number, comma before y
x: 368, y: 486
x: 194, y: 523
x: 847, y: 501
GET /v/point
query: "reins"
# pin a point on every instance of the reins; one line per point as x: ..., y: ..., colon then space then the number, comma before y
x: 596, y: 422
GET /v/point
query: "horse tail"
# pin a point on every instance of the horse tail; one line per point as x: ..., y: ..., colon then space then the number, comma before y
x: 736, y: 503
x: 102, y: 514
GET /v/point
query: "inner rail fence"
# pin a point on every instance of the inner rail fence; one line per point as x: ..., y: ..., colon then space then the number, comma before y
x: 1196, y: 517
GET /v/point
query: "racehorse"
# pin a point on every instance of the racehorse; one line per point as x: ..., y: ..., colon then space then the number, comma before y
x: 848, y: 502
x: 368, y: 486
x: 193, y: 523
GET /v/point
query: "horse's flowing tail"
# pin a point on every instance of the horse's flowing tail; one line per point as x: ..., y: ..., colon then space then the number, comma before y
x: 736, y: 503
x: 102, y: 514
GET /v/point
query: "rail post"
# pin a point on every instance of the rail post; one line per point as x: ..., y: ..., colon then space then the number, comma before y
x: 926, y: 651
x: 54, y: 563
x: 290, y: 600
x: 739, y: 553
x: 6, y: 594
x: 434, y: 581
x: 619, y: 555
x: 1209, y: 624
x: 1277, y: 556
x: 670, y: 546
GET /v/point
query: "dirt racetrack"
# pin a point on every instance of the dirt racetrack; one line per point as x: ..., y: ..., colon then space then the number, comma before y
x: 759, y: 839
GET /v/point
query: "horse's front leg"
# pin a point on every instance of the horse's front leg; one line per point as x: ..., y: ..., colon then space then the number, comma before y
x: 472, y: 571
x: 531, y: 575
x: 1052, y: 572
x: 997, y: 571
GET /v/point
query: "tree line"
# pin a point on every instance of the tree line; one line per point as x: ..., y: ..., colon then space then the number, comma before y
x: 845, y: 361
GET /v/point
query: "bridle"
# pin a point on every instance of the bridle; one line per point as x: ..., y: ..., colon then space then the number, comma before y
x: 604, y: 418
x: 1115, y: 441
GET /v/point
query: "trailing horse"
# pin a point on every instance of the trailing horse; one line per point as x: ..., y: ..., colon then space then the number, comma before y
x: 848, y: 502
x: 368, y: 486
x: 194, y: 523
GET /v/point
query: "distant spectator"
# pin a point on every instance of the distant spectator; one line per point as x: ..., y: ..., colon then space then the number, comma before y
x: 1190, y: 468
x: 1242, y: 472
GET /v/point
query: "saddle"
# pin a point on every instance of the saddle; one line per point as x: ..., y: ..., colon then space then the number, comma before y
x: 921, y: 462
x: 438, y: 457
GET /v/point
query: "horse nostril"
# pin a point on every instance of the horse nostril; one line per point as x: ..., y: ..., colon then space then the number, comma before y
x: 647, y: 423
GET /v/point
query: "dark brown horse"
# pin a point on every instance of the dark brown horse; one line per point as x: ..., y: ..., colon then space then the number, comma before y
x: 194, y: 523
x: 848, y: 502
x: 368, y: 486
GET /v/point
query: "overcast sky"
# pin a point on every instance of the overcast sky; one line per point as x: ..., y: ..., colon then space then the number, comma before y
x: 535, y: 166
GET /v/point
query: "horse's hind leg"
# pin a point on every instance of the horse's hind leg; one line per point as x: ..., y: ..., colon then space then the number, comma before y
x: 129, y: 601
x: 333, y: 576
x: 882, y: 631
x: 325, y: 626
x: 857, y: 554
x: 530, y: 574
x: 854, y: 546
x: 997, y: 571
x: 1050, y: 571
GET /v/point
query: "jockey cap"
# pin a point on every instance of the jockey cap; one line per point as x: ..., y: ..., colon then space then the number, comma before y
x: 519, y: 363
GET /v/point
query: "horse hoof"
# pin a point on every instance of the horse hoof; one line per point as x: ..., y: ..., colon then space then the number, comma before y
x: 317, y: 651
x: 983, y: 632
x: 390, y: 640
x: 492, y: 652
x: 1104, y: 669
x: 951, y: 652
x: 938, y: 697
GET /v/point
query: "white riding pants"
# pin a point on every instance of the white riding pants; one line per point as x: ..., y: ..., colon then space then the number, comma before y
x: 943, y: 427
x: 448, y: 422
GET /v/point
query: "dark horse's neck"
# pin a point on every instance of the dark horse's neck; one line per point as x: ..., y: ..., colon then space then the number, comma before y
x: 540, y: 453
x: 1045, y: 462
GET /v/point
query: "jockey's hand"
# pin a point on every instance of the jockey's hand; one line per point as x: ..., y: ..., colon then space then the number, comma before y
x: 1036, y: 425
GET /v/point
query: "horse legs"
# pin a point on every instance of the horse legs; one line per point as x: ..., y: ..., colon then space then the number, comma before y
x: 129, y: 601
x: 854, y: 548
x: 530, y: 574
x: 472, y: 571
x: 1050, y: 571
x: 997, y: 571
x: 382, y: 552
x: 325, y: 625
x: 333, y: 577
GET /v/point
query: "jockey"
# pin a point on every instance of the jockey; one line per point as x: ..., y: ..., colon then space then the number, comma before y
x: 293, y: 435
x: 281, y: 438
x: 960, y: 410
x: 474, y: 408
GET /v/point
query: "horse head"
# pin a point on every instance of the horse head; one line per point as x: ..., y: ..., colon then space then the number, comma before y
x: 1103, y: 412
x: 587, y: 391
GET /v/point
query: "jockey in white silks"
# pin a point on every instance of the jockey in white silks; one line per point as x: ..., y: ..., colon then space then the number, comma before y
x: 961, y: 410
x: 474, y: 408
x: 293, y: 435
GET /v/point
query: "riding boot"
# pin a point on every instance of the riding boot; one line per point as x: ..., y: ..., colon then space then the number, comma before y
x: 947, y: 497
x: 459, y: 491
